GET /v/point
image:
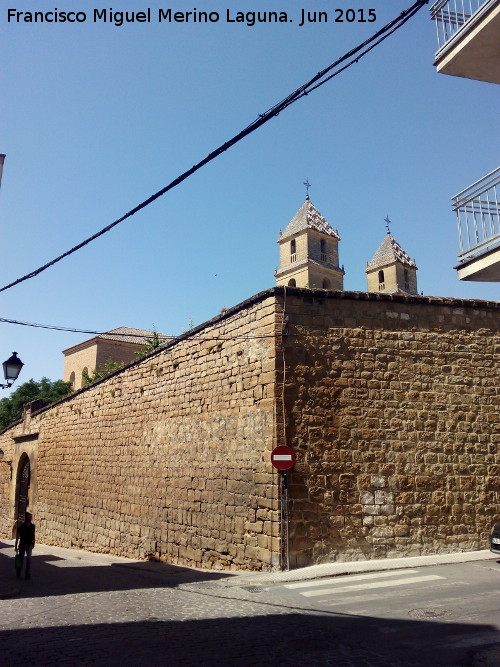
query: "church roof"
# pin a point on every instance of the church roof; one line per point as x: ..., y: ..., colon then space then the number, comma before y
x: 121, y: 334
x: 308, y: 217
x: 389, y: 252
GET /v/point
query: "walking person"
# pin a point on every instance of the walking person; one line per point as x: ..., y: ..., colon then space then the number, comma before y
x: 25, y: 541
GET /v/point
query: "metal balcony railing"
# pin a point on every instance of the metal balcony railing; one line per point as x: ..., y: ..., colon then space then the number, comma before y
x: 478, y: 216
x: 451, y: 15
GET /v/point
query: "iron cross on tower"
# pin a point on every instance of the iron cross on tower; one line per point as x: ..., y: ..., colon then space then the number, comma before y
x: 308, y: 185
x: 388, y: 222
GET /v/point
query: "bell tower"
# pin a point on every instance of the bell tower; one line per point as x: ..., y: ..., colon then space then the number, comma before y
x: 309, y: 255
x: 391, y: 270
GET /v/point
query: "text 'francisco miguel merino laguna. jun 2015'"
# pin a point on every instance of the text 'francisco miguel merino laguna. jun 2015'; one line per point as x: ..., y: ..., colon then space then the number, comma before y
x: 168, y: 15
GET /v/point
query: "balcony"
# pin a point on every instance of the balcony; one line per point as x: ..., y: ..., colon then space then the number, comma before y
x: 478, y: 216
x: 468, y: 37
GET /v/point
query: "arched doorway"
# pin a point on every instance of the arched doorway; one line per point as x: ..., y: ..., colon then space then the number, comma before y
x: 23, y: 485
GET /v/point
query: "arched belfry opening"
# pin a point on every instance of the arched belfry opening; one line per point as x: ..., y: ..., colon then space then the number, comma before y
x: 22, y: 488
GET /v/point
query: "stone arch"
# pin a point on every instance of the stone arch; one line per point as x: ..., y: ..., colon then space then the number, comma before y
x: 72, y: 378
x: 326, y: 283
x: 292, y: 283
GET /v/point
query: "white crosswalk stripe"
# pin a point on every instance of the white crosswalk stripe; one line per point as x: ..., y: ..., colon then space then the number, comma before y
x: 357, y: 583
x: 351, y: 577
x: 378, y: 584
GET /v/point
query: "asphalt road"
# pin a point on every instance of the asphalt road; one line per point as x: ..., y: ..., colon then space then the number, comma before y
x: 92, y: 610
x: 440, y: 615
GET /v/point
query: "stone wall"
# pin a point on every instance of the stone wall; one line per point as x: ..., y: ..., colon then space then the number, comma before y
x: 392, y: 408
x: 167, y: 458
x: 390, y: 403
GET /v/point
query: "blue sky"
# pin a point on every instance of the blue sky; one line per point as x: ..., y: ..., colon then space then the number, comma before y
x: 94, y: 118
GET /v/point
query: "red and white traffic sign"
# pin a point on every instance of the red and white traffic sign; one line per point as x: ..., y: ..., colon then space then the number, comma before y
x: 283, y: 457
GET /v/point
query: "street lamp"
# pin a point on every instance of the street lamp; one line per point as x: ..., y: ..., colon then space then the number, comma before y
x: 11, y: 369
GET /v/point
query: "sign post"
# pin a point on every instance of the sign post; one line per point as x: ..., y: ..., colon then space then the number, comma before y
x: 283, y: 486
x: 283, y: 458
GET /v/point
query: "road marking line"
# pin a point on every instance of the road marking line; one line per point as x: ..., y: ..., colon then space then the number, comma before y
x: 353, y: 602
x: 377, y: 584
x: 356, y: 577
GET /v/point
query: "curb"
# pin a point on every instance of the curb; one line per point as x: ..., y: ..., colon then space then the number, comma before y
x: 355, y: 567
x: 8, y: 592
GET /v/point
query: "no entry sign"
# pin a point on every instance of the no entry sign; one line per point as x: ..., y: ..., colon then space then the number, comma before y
x: 283, y: 457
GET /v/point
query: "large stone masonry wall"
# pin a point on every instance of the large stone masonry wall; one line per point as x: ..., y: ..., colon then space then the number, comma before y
x: 392, y: 407
x: 167, y: 458
x: 390, y: 403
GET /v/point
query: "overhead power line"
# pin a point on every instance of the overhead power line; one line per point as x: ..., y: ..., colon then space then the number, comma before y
x: 74, y: 330
x: 322, y: 77
x: 163, y: 337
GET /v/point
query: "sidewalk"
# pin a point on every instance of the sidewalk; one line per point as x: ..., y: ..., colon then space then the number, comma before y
x: 243, y: 577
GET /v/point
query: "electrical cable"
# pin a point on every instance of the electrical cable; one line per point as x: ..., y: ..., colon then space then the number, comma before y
x: 314, y: 83
x: 163, y: 337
